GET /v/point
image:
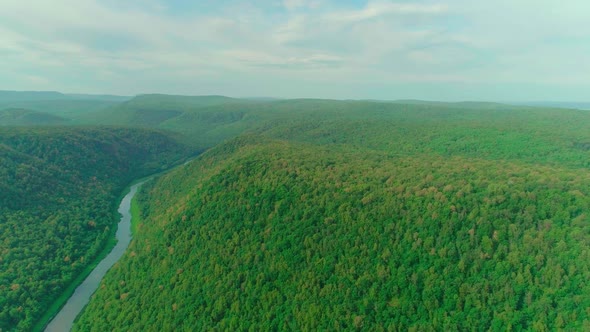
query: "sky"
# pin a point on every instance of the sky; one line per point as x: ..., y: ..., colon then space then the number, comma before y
x: 501, y: 50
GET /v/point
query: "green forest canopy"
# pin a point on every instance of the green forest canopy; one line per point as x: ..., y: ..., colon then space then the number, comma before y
x: 364, y: 215
x: 348, y: 214
x: 58, y: 191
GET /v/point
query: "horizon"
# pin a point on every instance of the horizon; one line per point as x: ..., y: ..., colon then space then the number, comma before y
x: 541, y: 103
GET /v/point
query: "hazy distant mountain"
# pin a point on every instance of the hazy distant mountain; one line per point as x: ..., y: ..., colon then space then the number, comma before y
x: 99, y: 97
x: 13, y: 96
x: 460, y: 104
x: 558, y: 104
x: 65, y: 106
x: 24, y: 117
x: 10, y: 96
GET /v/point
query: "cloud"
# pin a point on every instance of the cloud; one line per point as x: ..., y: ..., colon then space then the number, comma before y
x: 377, y: 37
x: 262, y: 60
x: 382, y: 9
x: 298, y: 4
x: 134, y: 46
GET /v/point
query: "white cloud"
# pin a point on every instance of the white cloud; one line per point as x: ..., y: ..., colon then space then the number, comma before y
x: 139, y: 46
x: 382, y: 8
x: 297, y: 4
x: 299, y: 62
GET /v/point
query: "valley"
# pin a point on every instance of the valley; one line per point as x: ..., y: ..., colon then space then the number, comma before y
x: 302, y: 214
x: 57, y: 206
x: 64, y: 320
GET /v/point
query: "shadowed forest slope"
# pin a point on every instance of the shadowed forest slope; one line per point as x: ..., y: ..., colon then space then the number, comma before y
x: 58, y: 191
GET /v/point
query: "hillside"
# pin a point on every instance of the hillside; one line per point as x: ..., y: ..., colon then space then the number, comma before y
x: 68, y: 107
x: 23, y: 117
x: 203, y: 120
x: 71, y: 110
x: 11, y: 96
x: 58, y: 191
x: 152, y: 110
x: 545, y: 136
x: 487, y: 130
x: 330, y: 215
x: 573, y: 105
x: 44, y: 96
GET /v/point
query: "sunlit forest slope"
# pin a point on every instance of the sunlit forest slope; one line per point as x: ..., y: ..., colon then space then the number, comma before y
x: 334, y: 215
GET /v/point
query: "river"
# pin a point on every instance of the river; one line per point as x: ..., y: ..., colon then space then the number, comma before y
x: 64, y: 320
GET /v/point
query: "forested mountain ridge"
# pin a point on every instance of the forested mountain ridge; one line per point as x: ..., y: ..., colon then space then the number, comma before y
x: 43, y: 96
x: 66, y: 106
x: 24, y: 117
x: 331, y: 215
x: 535, y: 135
x: 11, y: 96
x: 543, y: 135
x: 154, y: 109
x: 58, y: 187
x: 203, y: 120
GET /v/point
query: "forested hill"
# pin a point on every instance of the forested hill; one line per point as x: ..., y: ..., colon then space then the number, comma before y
x: 366, y: 216
x: 203, y: 120
x: 11, y: 96
x: 43, y: 96
x: 68, y: 107
x: 24, y: 117
x: 476, y: 129
x: 58, y: 191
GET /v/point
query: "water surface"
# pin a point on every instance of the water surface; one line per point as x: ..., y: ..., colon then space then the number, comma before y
x: 64, y: 320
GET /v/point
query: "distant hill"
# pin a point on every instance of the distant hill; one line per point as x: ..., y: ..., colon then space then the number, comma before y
x: 202, y: 119
x: 459, y: 104
x: 112, y: 98
x: 70, y: 109
x: 23, y: 117
x: 208, y: 120
x: 67, y: 106
x: 557, y: 104
x: 153, y: 109
x: 10, y: 96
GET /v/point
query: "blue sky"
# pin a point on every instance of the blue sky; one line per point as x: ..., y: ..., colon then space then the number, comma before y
x: 502, y: 50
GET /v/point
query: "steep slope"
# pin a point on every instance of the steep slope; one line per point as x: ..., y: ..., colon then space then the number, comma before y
x: 58, y: 190
x: 367, y: 216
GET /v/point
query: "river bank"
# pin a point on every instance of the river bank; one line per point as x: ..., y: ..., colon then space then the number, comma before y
x: 112, y: 242
x: 79, y: 293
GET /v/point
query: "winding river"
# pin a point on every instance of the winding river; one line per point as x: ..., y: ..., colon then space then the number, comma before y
x: 64, y: 320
